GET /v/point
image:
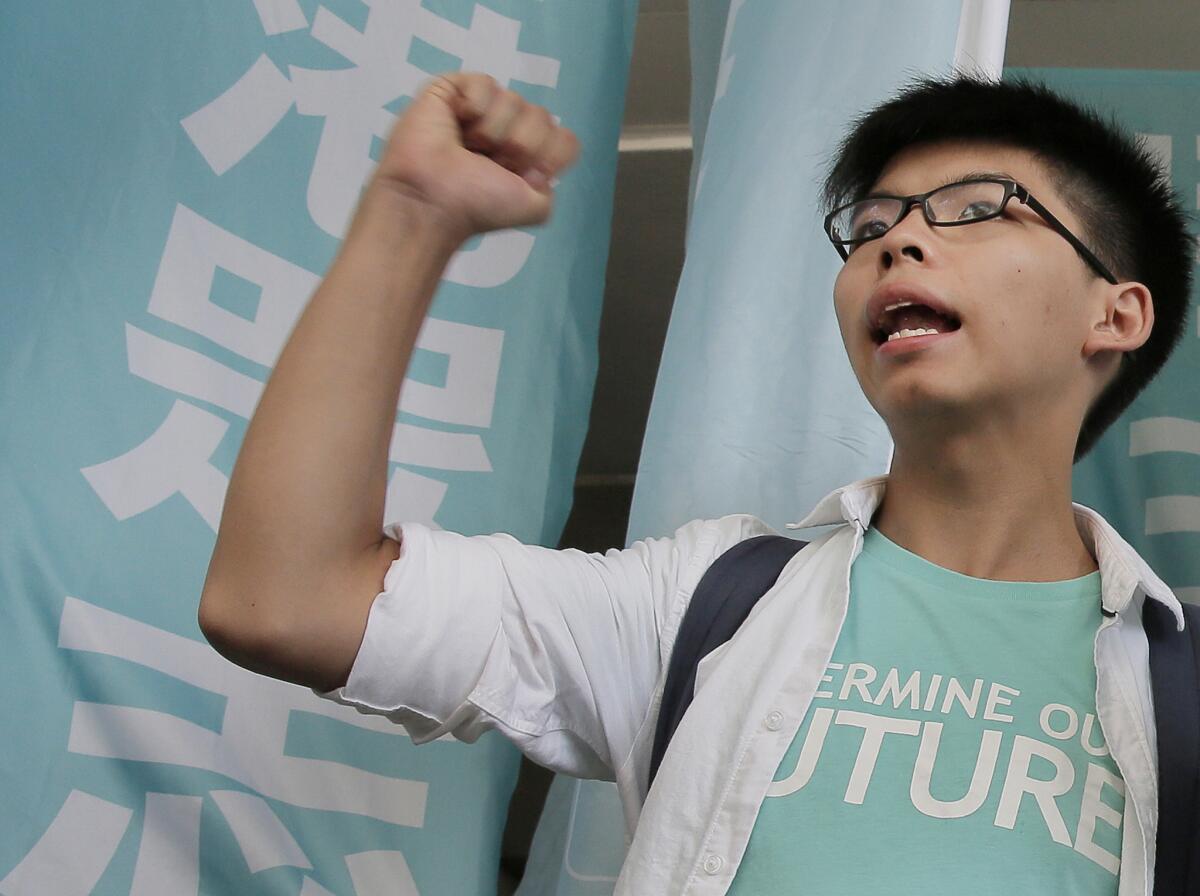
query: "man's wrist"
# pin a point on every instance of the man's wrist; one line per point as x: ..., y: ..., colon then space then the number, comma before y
x: 392, y: 213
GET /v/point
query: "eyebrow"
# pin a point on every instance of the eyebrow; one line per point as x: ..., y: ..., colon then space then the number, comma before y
x: 953, y: 179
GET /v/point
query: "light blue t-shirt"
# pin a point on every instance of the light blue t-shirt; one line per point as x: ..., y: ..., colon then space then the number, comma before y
x: 952, y: 746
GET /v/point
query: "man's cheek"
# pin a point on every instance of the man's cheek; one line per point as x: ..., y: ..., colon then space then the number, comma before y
x: 851, y: 338
x: 840, y: 310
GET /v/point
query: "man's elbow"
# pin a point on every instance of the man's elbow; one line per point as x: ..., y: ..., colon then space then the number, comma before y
x: 270, y: 643
x: 238, y: 634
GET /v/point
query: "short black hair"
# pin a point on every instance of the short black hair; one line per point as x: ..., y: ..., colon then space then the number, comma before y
x: 1131, y: 217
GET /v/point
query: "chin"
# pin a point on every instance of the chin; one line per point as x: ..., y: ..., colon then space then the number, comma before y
x: 902, y: 403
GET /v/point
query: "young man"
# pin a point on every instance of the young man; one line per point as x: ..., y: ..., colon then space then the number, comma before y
x: 947, y: 692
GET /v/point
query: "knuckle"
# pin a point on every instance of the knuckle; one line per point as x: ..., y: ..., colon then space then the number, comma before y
x: 565, y: 147
x: 438, y: 84
x: 529, y: 133
x: 481, y: 90
x: 517, y: 145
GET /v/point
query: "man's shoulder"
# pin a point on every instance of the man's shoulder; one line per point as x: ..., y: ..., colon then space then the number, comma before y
x: 723, y: 532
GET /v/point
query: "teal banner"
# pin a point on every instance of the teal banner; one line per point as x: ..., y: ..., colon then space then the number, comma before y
x: 178, y: 176
x: 756, y: 408
x: 1144, y: 473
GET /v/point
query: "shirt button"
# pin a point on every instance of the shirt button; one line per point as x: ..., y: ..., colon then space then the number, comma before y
x: 774, y: 720
x: 713, y: 863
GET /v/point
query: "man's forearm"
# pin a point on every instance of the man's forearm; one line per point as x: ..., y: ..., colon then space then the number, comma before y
x: 300, y: 555
x: 307, y: 491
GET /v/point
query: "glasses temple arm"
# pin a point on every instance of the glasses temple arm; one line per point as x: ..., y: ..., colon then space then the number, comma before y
x: 1066, y: 234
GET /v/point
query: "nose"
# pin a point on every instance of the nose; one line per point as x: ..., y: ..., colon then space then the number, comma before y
x: 907, y: 239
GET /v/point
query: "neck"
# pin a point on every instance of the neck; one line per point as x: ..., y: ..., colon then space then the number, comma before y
x: 991, y: 506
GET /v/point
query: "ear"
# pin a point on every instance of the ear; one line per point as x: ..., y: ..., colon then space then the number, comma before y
x: 1123, y: 323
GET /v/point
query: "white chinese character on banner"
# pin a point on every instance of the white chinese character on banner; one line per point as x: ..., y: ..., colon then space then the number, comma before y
x: 248, y: 749
x: 214, y: 361
x: 176, y: 457
x: 353, y: 105
x: 82, y: 839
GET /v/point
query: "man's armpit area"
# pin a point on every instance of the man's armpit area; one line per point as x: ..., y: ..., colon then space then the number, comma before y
x: 339, y: 633
x: 384, y: 555
x: 389, y: 548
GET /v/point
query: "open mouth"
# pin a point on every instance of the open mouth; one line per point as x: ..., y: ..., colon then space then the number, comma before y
x: 905, y: 320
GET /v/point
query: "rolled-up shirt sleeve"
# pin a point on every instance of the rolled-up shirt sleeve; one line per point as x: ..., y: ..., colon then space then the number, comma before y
x: 561, y: 651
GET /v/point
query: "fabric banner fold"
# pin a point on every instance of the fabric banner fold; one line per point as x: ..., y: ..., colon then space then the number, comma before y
x: 179, y: 177
x: 756, y: 408
x: 1144, y: 472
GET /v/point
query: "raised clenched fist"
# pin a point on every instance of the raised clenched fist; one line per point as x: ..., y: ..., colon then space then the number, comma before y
x: 476, y: 154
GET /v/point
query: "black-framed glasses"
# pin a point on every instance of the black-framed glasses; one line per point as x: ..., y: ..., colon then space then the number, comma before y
x: 965, y: 202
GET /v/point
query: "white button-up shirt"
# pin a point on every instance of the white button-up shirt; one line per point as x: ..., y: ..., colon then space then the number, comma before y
x: 565, y: 653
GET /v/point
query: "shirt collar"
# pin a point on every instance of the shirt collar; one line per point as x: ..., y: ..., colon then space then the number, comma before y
x: 1122, y: 570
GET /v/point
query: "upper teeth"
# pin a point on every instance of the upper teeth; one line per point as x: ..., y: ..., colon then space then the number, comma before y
x: 905, y: 333
x: 903, y: 304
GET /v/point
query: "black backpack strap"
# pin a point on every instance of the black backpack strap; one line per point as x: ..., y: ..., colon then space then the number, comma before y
x: 723, y: 599
x: 1175, y: 682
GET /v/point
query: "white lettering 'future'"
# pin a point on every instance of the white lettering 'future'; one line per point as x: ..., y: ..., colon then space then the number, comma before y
x: 1019, y: 782
x: 957, y: 700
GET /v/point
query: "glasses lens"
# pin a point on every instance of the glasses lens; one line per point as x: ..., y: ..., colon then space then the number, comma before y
x: 971, y: 201
x: 864, y: 220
